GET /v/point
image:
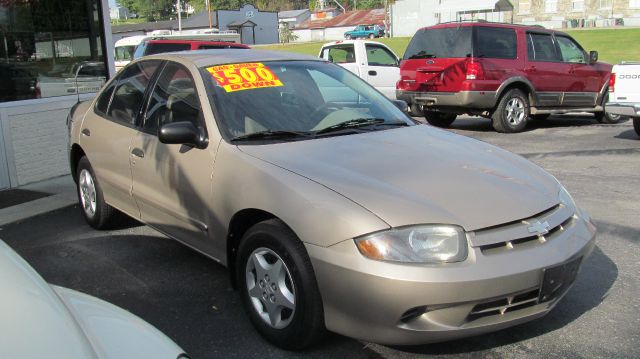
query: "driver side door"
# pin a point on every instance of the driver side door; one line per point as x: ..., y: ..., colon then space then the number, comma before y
x: 172, y: 182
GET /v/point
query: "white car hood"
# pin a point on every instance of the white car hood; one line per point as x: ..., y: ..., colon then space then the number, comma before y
x: 420, y: 175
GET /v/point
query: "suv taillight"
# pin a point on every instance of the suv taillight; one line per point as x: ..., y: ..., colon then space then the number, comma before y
x: 612, y: 82
x: 474, y: 71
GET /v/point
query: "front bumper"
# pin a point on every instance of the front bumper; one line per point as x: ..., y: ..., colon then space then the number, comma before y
x: 624, y: 109
x: 462, y: 99
x: 405, y: 304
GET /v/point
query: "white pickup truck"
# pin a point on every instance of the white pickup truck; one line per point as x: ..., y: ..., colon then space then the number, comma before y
x: 624, y: 92
x: 372, y: 61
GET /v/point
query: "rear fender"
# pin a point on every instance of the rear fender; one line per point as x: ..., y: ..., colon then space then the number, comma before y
x: 518, y: 81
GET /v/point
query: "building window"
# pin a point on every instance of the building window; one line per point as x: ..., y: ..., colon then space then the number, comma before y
x: 524, y: 7
x: 550, y: 5
x: 605, y: 4
x: 634, y: 4
x: 50, y: 48
x: 577, y: 5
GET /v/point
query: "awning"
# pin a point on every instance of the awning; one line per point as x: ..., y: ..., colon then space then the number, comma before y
x: 474, y: 5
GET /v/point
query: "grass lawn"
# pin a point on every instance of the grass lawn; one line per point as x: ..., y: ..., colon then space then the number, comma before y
x: 612, y: 45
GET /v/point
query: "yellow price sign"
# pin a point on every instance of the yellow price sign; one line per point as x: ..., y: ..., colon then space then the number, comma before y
x: 247, y: 76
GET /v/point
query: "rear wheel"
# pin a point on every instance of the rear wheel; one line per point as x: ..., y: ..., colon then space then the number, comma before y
x: 439, y: 119
x: 607, y: 118
x: 512, y: 112
x: 416, y: 110
x: 636, y: 125
x: 95, y: 210
x: 372, y: 36
x: 278, y: 286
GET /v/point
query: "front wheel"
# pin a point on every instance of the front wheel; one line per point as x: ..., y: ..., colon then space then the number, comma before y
x: 636, y: 125
x: 278, y: 286
x: 439, y: 119
x: 512, y: 112
x: 347, y: 37
x: 372, y: 36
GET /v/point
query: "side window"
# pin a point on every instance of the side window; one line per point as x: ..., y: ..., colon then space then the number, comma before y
x: 379, y: 56
x: 342, y: 54
x: 105, y: 97
x: 570, y: 51
x: 496, y: 42
x: 540, y: 47
x: 129, y: 92
x: 174, y: 99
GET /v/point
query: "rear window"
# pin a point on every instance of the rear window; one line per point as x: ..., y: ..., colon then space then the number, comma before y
x: 440, y: 43
x: 496, y: 42
x: 159, y: 48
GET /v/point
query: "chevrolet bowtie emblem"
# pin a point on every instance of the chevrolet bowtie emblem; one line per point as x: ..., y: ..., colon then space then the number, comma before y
x: 539, y: 228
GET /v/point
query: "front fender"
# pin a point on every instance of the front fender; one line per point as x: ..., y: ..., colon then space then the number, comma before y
x: 317, y: 214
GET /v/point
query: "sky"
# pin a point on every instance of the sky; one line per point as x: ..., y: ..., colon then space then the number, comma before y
x: 112, y: 3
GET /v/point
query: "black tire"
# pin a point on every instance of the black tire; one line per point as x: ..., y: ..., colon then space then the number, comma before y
x: 439, y: 119
x: 347, y: 37
x: 103, y: 216
x: 636, y: 125
x: 305, y: 325
x: 507, y: 117
x: 605, y: 117
x: 416, y: 110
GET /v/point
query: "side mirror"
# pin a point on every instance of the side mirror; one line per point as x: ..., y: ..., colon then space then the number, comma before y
x: 403, y: 106
x: 182, y: 133
x: 593, y: 57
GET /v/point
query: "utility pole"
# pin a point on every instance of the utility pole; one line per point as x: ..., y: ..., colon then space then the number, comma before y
x: 179, y: 9
x: 209, y: 11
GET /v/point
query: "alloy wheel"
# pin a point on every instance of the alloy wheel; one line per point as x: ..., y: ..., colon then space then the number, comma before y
x: 514, y: 111
x: 87, y: 192
x: 270, y: 287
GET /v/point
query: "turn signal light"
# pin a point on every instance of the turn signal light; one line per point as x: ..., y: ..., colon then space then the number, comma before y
x: 612, y: 82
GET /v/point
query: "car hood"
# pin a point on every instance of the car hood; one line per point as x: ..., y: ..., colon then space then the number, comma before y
x: 419, y: 174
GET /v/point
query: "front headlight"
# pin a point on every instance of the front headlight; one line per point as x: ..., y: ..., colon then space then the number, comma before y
x: 565, y: 198
x: 416, y: 244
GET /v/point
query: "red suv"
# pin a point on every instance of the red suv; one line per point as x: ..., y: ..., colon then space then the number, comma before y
x: 159, y: 46
x: 509, y: 73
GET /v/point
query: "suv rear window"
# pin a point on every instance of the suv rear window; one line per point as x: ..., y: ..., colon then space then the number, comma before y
x: 440, y: 43
x: 496, y: 42
x: 160, y: 48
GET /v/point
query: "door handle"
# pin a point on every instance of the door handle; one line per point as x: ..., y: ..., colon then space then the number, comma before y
x: 137, y: 152
x: 372, y: 73
x: 86, y: 132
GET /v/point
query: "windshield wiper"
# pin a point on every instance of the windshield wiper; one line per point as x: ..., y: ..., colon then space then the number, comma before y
x: 270, y: 134
x: 422, y: 55
x: 360, y: 122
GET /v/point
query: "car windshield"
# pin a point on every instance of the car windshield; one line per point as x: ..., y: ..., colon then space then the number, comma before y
x: 296, y: 100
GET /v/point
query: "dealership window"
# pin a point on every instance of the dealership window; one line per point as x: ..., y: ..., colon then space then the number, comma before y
x: 50, y: 48
x: 550, y: 5
x: 524, y: 7
x: 577, y: 5
x: 605, y: 4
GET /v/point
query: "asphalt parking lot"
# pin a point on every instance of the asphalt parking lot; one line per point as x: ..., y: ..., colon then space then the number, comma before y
x: 188, y: 296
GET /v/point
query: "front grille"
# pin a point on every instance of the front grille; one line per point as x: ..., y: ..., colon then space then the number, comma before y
x: 515, y: 235
x: 504, y: 305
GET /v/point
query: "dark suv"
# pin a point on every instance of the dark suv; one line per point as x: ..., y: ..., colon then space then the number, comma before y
x: 509, y: 73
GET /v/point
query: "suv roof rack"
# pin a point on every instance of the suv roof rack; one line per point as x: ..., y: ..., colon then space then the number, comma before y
x: 483, y: 21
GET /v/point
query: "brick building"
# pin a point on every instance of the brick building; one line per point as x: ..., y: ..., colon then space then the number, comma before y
x: 577, y: 13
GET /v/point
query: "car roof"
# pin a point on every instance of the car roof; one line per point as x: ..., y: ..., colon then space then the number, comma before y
x: 202, y: 58
x: 490, y: 24
x: 197, y: 42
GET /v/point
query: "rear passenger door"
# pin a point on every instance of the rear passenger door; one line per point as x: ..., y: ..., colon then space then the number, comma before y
x: 496, y: 49
x: 108, y: 129
x: 172, y: 182
x: 544, y: 69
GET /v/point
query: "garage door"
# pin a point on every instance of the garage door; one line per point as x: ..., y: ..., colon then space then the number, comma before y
x: 4, y: 170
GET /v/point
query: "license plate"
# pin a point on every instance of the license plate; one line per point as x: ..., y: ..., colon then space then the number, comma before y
x: 556, y: 280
